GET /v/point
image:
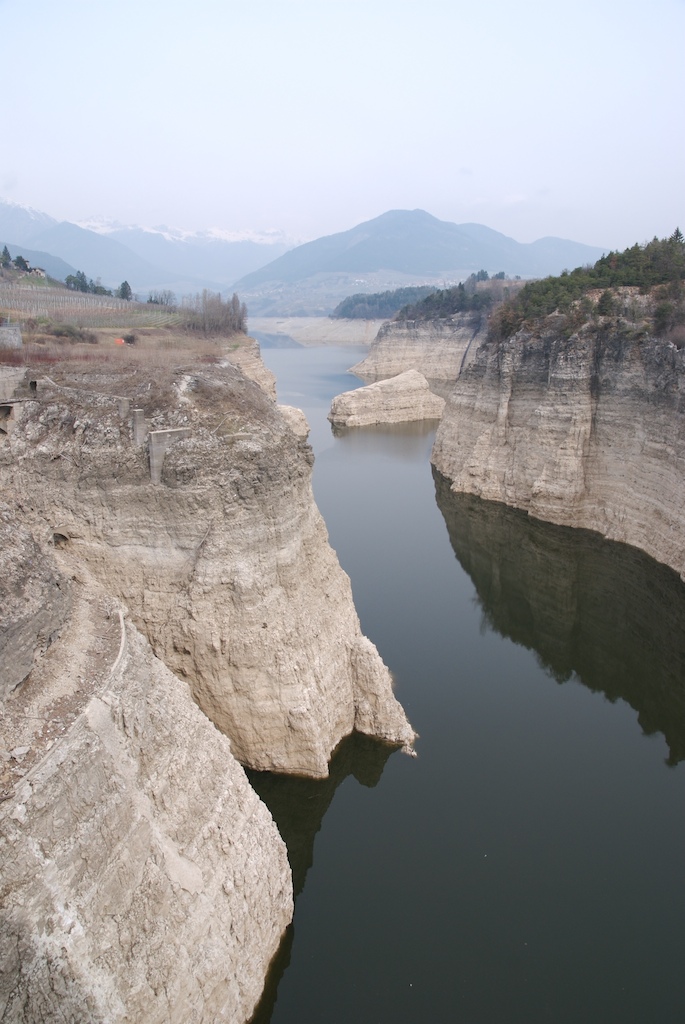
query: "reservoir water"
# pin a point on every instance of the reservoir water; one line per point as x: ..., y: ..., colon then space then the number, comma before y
x: 528, y: 866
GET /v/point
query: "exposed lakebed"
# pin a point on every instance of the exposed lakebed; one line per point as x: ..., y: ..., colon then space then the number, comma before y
x: 528, y: 865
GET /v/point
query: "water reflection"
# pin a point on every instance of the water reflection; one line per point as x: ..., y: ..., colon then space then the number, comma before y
x: 601, y: 610
x: 378, y: 435
x: 298, y: 806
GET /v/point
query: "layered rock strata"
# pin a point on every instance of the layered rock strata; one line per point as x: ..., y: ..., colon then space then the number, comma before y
x: 439, y: 349
x: 225, y: 566
x: 586, y: 430
x: 142, y: 877
x: 35, y: 601
x: 405, y: 398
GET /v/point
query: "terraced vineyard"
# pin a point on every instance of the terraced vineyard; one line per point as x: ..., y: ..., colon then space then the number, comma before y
x: 80, y: 309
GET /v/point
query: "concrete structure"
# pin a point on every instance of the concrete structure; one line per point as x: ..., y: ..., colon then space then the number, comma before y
x: 159, y: 442
x: 10, y: 379
x: 7, y: 418
x: 139, y: 428
x: 10, y: 336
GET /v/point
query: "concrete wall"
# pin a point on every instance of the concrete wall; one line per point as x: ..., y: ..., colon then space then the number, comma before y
x: 10, y: 336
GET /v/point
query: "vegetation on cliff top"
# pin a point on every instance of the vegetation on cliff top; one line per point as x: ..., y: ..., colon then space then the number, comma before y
x: 657, y: 267
x: 379, y: 305
x: 479, y: 292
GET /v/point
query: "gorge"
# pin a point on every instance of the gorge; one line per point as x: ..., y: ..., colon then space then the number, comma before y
x: 526, y: 864
x: 128, y: 590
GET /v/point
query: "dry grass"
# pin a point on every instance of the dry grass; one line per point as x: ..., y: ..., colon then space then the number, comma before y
x: 152, y: 347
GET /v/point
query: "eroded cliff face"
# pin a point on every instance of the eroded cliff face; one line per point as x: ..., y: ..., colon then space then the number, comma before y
x: 224, y: 566
x: 585, y: 431
x: 36, y: 600
x: 142, y: 877
x: 438, y: 349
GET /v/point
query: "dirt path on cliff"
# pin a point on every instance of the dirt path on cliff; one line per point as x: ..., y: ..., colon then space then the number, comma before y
x: 62, y: 681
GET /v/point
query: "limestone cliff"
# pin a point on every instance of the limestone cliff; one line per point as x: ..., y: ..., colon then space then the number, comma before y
x: 405, y: 398
x: 225, y: 565
x: 142, y: 877
x: 583, y: 430
x: 438, y: 349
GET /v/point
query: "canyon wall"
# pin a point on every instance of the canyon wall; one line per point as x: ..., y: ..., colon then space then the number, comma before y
x: 438, y: 349
x: 161, y: 549
x: 142, y: 877
x: 224, y: 565
x: 586, y: 430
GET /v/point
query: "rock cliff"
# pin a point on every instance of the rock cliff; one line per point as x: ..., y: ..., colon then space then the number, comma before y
x: 142, y: 877
x: 402, y: 399
x: 586, y: 430
x: 438, y: 349
x: 225, y: 566
x: 161, y: 550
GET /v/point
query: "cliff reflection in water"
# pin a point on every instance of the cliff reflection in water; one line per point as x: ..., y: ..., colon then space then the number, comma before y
x: 604, y: 611
x: 298, y: 806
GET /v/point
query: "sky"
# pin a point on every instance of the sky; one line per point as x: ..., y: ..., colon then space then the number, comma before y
x: 306, y: 117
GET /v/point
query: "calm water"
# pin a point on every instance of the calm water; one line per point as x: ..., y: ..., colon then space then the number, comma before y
x: 528, y: 866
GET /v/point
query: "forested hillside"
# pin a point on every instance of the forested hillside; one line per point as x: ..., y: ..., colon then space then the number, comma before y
x: 657, y: 266
x: 379, y: 305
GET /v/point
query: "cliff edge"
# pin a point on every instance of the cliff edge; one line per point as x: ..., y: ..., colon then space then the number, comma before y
x: 581, y: 429
x: 170, y: 607
x: 438, y: 349
x: 186, y: 494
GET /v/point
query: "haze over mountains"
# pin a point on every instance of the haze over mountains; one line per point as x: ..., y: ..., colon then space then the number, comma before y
x: 148, y: 258
x: 400, y: 247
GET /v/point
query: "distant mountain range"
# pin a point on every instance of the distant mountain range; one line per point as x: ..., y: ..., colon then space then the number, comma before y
x: 147, y: 258
x: 399, y: 248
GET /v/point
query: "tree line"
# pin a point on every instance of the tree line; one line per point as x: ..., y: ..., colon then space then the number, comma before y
x: 208, y: 314
x: 465, y: 297
x: 78, y: 282
x: 379, y: 305
x: 657, y: 266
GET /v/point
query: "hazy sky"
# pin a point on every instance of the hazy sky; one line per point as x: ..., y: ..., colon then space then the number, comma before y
x: 533, y: 117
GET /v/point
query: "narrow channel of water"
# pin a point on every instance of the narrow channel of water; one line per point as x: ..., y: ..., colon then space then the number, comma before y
x: 528, y: 865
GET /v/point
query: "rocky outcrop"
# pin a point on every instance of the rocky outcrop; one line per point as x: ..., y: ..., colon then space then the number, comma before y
x: 35, y: 598
x: 224, y: 566
x: 142, y: 877
x: 586, y: 430
x: 402, y: 399
x: 296, y: 420
x: 244, y: 353
x: 438, y: 349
